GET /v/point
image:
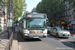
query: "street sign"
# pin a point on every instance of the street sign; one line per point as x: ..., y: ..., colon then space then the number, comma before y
x: 62, y: 22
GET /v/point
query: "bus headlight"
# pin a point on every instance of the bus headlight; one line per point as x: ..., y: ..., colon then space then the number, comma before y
x: 45, y: 31
x: 26, y: 31
x: 26, y: 34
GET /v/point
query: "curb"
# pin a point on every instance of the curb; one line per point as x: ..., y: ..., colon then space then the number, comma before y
x: 15, y: 42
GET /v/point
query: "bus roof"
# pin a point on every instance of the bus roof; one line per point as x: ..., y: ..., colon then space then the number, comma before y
x: 35, y: 13
x: 24, y: 16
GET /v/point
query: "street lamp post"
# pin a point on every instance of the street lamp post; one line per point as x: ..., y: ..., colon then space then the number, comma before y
x: 9, y: 19
x: 10, y: 8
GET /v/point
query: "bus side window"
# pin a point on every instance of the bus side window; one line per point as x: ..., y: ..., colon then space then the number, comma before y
x: 20, y: 25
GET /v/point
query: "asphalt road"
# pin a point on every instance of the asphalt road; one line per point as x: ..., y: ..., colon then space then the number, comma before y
x: 48, y: 43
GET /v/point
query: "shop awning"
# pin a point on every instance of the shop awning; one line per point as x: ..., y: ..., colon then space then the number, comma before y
x: 72, y: 22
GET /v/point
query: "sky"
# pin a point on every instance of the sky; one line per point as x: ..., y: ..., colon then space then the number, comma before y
x: 31, y: 4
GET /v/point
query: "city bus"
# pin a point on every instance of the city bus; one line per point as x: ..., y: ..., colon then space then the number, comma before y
x: 33, y: 25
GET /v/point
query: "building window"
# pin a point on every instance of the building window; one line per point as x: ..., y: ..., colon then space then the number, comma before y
x: 65, y: 7
x: 70, y: 7
x: 68, y: 13
x: 66, y: 2
x: 65, y: 13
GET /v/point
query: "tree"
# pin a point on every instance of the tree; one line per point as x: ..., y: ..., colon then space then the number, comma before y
x: 26, y: 12
x: 3, y: 3
x: 53, y: 8
x: 18, y: 8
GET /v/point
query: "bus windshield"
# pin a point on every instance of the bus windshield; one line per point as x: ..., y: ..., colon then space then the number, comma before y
x: 35, y: 23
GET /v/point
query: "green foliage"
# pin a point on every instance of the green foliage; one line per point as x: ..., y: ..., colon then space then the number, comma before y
x: 53, y: 8
x: 26, y: 12
x: 2, y: 3
x: 18, y: 5
x: 18, y: 8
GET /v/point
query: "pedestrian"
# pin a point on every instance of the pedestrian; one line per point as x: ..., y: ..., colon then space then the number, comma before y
x: 13, y: 27
x: 62, y: 27
x: 68, y: 27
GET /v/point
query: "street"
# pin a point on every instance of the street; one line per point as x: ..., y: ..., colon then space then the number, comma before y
x: 44, y: 22
x: 48, y: 43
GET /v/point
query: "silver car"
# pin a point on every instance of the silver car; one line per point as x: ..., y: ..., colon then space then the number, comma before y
x: 58, y: 32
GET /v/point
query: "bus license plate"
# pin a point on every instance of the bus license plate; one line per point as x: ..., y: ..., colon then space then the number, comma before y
x: 36, y: 37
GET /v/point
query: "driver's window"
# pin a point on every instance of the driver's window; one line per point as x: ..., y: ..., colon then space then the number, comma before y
x: 51, y: 28
x: 54, y: 29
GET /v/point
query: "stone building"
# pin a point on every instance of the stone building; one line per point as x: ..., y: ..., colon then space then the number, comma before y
x: 69, y: 13
x: 73, y: 18
x: 34, y: 10
x: 3, y: 16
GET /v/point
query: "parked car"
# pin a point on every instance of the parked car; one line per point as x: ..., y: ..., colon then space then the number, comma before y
x: 48, y: 29
x: 74, y: 36
x: 58, y: 32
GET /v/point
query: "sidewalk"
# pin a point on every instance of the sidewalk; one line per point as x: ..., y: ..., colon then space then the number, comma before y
x: 3, y: 40
x: 15, y: 42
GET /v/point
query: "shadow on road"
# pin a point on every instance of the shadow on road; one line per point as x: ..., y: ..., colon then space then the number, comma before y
x: 70, y: 46
x: 32, y: 40
x: 54, y: 37
x: 20, y: 39
x: 72, y: 42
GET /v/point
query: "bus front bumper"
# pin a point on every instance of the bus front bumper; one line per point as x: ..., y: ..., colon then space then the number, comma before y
x: 36, y: 35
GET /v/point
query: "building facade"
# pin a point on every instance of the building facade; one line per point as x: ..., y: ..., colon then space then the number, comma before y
x: 73, y: 19
x: 69, y: 13
x: 3, y: 17
x: 33, y: 10
x: 9, y: 11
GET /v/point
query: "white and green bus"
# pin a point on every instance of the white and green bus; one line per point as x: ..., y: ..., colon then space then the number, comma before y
x: 33, y: 25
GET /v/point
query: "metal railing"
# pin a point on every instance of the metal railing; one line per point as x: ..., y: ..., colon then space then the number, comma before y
x: 9, y: 44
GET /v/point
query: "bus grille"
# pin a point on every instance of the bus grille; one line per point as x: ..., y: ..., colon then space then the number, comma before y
x: 36, y: 31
